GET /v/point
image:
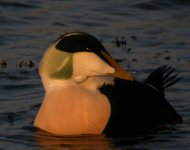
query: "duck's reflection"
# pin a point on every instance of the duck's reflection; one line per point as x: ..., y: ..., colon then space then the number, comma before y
x: 52, y: 142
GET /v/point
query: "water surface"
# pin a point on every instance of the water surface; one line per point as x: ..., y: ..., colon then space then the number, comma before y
x: 157, y: 33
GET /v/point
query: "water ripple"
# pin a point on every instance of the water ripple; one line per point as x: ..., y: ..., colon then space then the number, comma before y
x: 17, y: 4
x: 154, y: 5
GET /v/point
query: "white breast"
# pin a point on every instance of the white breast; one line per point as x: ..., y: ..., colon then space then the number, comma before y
x: 72, y: 110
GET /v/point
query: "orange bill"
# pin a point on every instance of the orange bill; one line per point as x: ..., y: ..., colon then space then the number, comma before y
x: 119, y: 71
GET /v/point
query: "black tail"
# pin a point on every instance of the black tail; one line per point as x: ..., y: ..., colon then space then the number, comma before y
x: 162, y: 78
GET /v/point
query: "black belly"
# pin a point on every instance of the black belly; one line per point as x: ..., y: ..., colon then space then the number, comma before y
x: 136, y: 108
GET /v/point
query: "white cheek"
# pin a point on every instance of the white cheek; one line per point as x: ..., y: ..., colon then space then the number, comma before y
x: 87, y: 64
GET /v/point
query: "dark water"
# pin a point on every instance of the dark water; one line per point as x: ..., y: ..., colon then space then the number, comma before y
x: 157, y: 33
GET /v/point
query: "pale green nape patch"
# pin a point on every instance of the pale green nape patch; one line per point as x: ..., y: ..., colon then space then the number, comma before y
x: 56, y: 64
x: 64, y: 71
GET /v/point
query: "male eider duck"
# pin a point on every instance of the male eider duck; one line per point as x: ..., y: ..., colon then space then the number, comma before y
x: 87, y: 92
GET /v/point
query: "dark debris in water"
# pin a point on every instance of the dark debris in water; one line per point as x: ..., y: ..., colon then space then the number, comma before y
x: 29, y: 64
x: 134, y: 60
x: 122, y: 42
x: 167, y: 58
x: 20, y: 64
x: 17, y: 70
x: 3, y: 63
x: 119, y: 43
x: 134, y: 37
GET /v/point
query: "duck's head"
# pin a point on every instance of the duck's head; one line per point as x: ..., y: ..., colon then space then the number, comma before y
x: 77, y: 56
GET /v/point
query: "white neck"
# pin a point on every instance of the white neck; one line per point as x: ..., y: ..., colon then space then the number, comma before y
x: 93, y: 83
